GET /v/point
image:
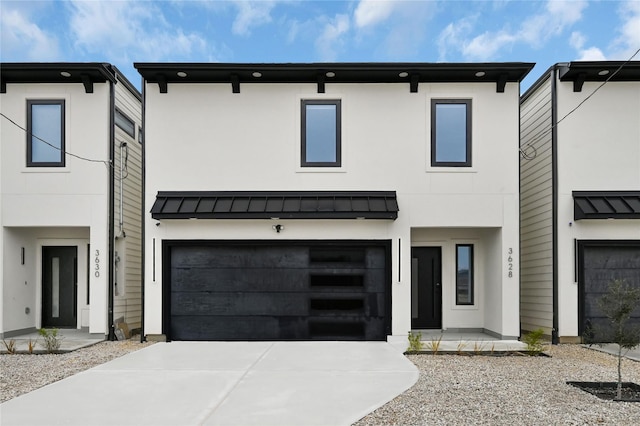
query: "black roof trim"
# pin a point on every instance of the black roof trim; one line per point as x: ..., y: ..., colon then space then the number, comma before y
x: 579, y: 72
x: 376, y: 72
x: 86, y: 73
x: 275, y: 205
x: 606, y: 205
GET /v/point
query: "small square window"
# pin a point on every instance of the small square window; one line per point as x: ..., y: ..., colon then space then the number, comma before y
x: 451, y: 132
x: 321, y: 144
x: 45, y: 133
x: 464, y: 274
x: 125, y: 123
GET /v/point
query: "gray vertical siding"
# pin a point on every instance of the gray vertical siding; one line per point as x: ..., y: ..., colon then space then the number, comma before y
x: 536, y: 222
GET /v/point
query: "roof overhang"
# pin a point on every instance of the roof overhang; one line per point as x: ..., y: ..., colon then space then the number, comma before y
x: 275, y: 205
x: 606, y: 205
x: 411, y: 73
x: 86, y: 73
x: 579, y: 72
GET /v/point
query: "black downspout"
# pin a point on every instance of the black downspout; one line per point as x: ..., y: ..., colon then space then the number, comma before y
x: 554, y: 201
x: 519, y: 209
x: 112, y: 108
x: 142, y: 212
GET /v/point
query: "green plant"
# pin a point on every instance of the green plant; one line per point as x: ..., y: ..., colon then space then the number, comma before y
x: 617, y: 304
x: 415, y: 344
x: 534, y: 341
x: 10, y: 345
x: 434, y: 345
x: 52, y: 340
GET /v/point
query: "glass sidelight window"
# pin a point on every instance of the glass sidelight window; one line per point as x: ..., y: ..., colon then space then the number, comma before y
x: 464, y: 274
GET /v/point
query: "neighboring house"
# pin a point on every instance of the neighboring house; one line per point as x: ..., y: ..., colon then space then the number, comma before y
x: 580, y: 194
x: 330, y: 201
x: 70, y: 197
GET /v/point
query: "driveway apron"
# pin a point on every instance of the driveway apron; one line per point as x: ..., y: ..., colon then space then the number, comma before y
x: 224, y: 383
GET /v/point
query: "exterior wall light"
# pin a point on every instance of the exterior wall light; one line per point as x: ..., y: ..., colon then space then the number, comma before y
x: 278, y: 228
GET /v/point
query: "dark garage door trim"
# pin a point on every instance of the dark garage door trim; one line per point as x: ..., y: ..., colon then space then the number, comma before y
x: 581, y: 245
x: 168, y: 245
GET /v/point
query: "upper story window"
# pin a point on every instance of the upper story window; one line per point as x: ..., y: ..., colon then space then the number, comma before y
x: 464, y: 274
x: 321, y: 144
x: 451, y: 132
x: 45, y: 133
x: 125, y: 123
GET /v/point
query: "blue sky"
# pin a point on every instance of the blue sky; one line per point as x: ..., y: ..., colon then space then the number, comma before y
x: 122, y: 32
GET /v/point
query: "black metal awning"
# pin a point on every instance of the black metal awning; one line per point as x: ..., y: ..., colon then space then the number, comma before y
x: 606, y: 205
x: 275, y: 205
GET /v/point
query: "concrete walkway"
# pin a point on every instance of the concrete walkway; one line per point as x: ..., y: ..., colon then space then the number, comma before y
x: 224, y: 383
x: 610, y: 348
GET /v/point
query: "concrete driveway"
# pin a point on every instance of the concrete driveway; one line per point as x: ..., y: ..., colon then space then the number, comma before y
x: 224, y: 383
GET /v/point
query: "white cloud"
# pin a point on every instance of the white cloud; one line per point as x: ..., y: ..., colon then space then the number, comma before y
x: 371, y: 12
x: 577, y: 41
x: 20, y: 36
x: 535, y: 31
x: 628, y: 41
x: 251, y: 14
x: 330, y: 39
x: 123, y: 31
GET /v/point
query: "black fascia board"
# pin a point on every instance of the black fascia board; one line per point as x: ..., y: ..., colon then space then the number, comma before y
x: 85, y: 73
x: 376, y: 72
x: 594, y: 71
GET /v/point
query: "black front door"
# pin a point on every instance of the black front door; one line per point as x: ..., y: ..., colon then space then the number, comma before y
x: 59, y: 273
x: 426, y: 287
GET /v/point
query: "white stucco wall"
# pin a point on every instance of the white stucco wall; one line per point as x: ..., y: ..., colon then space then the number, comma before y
x: 203, y: 137
x: 598, y: 150
x: 74, y: 196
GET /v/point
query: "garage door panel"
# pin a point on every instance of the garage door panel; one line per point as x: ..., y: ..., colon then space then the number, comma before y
x: 266, y: 292
x: 239, y: 279
x: 600, y: 266
x: 240, y: 257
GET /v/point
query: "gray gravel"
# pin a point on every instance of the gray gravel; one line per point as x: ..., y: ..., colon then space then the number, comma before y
x: 20, y: 374
x: 514, y: 390
x: 452, y: 389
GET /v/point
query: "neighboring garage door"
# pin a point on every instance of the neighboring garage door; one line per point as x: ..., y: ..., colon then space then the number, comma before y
x: 271, y: 291
x: 599, y: 264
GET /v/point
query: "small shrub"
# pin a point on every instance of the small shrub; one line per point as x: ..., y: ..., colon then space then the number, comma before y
x: 434, y: 345
x: 415, y: 344
x: 10, y: 345
x: 461, y: 347
x: 478, y: 348
x: 31, y: 345
x: 52, y: 341
x: 534, y: 341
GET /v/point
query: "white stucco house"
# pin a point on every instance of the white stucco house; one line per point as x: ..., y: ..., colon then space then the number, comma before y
x: 351, y: 201
x: 580, y: 194
x: 70, y: 197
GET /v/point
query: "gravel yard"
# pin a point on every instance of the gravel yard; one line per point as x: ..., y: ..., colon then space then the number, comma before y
x: 510, y: 390
x: 452, y: 389
x: 20, y: 374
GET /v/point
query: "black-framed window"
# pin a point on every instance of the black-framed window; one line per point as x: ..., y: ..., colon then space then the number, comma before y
x: 139, y: 135
x: 321, y: 141
x: 464, y: 274
x: 451, y: 132
x: 125, y: 123
x: 45, y: 133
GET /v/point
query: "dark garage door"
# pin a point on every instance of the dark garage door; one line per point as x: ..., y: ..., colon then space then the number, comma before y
x: 269, y: 291
x: 599, y: 265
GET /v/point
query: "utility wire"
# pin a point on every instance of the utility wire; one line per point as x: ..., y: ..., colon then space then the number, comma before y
x: 105, y: 162
x: 542, y: 133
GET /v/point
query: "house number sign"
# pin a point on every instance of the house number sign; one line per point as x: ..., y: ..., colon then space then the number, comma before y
x: 510, y: 262
x: 96, y: 262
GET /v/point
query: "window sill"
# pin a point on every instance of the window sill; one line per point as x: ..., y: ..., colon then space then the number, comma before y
x: 451, y: 170
x: 321, y: 170
x: 465, y: 307
x: 46, y: 170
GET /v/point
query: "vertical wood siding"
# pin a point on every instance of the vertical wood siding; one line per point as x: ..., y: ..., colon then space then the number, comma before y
x: 536, y: 222
x: 128, y: 302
